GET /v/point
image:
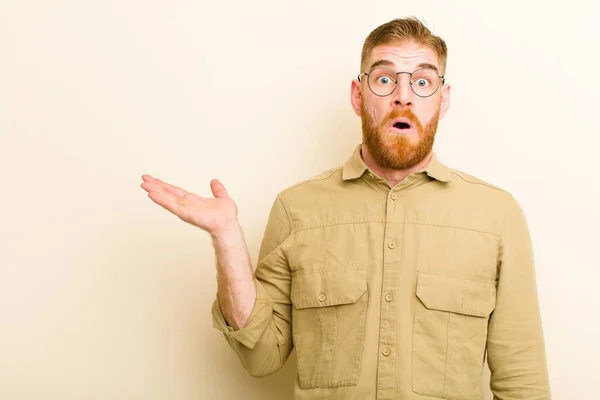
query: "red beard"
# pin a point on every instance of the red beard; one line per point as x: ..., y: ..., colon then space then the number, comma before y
x: 398, y: 152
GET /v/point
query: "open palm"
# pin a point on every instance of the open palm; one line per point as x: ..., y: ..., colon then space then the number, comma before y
x: 210, y: 214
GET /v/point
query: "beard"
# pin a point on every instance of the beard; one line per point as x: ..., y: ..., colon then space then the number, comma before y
x: 398, y: 151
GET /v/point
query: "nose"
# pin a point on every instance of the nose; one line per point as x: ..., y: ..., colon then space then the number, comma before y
x: 403, y: 94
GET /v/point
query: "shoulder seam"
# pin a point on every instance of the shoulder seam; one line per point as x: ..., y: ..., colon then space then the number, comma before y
x: 287, y: 214
x: 478, y: 183
x: 292, y: 232
x: 281, y: 195
x: 319, y: 177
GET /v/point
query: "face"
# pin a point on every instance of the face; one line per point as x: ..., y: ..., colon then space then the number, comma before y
x: 399, y: 129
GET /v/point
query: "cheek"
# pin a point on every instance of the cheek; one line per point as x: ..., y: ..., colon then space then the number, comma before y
x: 378, y: 113
x: 374, y: 107
x: 427, y: 111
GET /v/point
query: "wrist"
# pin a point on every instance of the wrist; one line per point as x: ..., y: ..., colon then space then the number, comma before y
x: 232, y: 229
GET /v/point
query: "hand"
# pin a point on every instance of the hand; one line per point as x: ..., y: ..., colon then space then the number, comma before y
x: 212, y: 215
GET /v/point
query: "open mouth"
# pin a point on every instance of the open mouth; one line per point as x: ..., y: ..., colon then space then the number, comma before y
x: 402, y: 124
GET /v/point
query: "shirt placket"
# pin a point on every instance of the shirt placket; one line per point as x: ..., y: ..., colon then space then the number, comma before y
x: 387, y: 333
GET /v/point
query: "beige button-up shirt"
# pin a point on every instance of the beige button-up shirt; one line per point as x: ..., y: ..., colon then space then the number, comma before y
x: 396, y: 293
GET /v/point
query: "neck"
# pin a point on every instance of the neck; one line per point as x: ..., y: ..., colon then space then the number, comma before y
x: 392, y: 176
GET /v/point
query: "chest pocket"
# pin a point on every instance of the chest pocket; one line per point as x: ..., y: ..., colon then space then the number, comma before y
x: 328, y: 325
x: 450, y: 333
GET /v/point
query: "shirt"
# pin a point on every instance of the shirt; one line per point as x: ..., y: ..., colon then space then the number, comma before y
x: 396, y: 293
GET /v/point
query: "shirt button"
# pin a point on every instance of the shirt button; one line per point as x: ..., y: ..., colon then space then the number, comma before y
x: 394, y: 196
x: 321, y: 296
x: 388, y: 297
x: 391, y: 244
x: 386, y: 352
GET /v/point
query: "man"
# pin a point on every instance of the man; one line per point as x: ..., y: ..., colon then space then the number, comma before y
x: 391, y: 275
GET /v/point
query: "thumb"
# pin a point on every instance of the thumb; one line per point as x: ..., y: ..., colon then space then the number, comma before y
x: 218, y: 189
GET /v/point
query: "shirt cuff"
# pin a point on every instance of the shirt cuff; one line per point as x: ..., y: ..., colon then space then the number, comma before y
x: 259, y: 319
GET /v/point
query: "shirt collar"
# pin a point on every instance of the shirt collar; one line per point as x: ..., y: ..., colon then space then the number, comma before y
x: 355, y: 167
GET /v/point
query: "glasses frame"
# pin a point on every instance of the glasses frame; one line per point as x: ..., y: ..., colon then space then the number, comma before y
x: 410, y: 74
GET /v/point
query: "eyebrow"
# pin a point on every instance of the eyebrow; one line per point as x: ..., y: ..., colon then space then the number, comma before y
x: 427, y: 65
x: 380, y: 63
x: 387, y: 63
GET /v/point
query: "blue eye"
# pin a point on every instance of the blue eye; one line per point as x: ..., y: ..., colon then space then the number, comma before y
x: 384, y: 80
x: 422, y: 82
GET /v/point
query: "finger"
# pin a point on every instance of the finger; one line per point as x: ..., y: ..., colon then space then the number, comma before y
x: 166, y: 202
x: 177, y: 191
x: 218, y: 189
x: 152, y: 187
x: 149, y: 187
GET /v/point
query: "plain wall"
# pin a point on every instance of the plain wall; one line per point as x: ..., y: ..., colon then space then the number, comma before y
x: 104, y: 295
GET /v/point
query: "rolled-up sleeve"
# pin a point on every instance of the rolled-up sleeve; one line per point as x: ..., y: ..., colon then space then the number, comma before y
x: 265, y: 342
x: 515, y: 345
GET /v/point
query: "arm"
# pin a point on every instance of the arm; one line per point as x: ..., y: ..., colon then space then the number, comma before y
x: 515, y: 343
x: 265, y: 342
x: 253, y: 312
x: 235, y: 280
x: 218, y: 217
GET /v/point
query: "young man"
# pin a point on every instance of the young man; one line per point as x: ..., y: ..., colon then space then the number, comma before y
x: 391, y: 275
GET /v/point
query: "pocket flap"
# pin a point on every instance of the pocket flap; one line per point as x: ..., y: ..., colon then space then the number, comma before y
x: 328, y: 287
x: 458, y: 294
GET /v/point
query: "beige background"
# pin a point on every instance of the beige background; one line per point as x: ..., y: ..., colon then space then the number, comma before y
x: 103, y: 295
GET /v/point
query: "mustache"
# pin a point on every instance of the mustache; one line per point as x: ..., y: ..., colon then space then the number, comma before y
x: 405, y: 113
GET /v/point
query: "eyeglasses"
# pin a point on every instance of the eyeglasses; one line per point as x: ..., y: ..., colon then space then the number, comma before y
x: 424, y: 82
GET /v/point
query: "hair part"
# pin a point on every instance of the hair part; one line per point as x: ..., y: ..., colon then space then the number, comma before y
x: 404, y: 30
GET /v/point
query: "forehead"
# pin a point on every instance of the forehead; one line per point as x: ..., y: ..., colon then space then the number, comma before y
x: 403, y: 55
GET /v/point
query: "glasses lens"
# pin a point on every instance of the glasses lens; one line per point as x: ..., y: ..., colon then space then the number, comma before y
x: 382, y: 81
x: 425, y: 81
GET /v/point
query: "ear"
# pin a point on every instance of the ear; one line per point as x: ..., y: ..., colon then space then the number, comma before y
x: 355, y: 96
x: 445, y: 102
